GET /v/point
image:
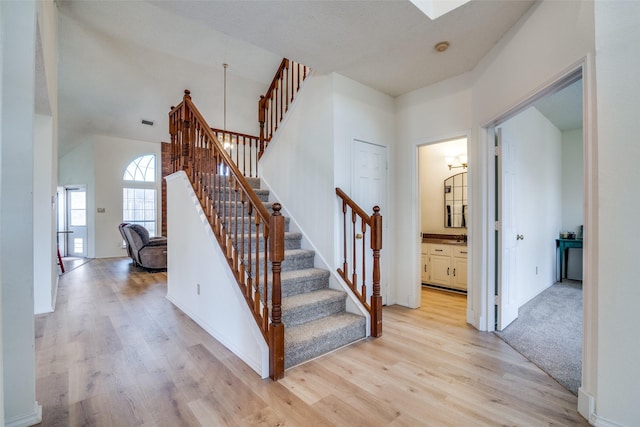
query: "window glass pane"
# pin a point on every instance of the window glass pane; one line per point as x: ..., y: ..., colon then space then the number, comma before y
x: 78, y: 218
x: 78, y: 245
x: 142, y: 169
x: 139, y: 207
x: 78, y: 200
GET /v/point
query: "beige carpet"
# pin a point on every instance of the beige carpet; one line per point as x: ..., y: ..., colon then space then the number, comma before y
x: 548, y: 331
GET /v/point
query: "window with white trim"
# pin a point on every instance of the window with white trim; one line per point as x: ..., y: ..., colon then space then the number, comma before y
x: 139, y: 193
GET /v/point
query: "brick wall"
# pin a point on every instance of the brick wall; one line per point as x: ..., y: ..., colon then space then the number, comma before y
x: 166, y: 170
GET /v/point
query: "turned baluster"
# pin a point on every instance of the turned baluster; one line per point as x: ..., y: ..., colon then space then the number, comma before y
x: 363, y: 291
x: 345, y: 266
x: 354, y: 279
x: 261, y: 120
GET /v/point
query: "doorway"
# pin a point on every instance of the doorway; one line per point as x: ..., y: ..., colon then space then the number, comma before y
x: 539, y: 194
x: 443, y: 210
x: 76, y: 221
x: 539, y: 197
x: 369, y: 188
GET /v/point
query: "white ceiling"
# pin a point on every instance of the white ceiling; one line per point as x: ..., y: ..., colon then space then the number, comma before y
x: 121, y: 61
x: 563, y: 108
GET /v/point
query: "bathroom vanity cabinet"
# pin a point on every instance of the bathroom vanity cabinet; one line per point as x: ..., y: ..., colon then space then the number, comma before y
x: 444, y: 265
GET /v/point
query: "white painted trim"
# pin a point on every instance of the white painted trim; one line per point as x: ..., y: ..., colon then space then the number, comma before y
x: 590, y: 247
x: 603, y: 422
x: 586, y: 404
x: 33, y: 418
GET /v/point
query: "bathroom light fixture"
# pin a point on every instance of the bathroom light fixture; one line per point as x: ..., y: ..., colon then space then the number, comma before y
x: 459, y: 161
x: 226, y: 138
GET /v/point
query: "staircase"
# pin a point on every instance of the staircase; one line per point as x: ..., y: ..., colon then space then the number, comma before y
x: 315, y: 316
x: 299, y: 316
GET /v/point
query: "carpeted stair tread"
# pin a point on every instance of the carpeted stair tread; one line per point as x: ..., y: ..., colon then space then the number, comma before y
x: 303, y: 280
x: 309, y: 306
x: 311, y: 339
x: 294, y: 259
x: 291, y: 240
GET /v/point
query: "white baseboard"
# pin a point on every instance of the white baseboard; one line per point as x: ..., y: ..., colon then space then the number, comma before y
x: 27, y: 420
x: 603, y: 422
x: 586, y: 404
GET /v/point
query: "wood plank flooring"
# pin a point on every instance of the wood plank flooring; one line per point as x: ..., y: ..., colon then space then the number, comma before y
x: 117, y: 353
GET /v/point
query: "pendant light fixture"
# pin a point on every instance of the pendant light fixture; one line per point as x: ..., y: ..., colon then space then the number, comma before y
x: 226, y: 138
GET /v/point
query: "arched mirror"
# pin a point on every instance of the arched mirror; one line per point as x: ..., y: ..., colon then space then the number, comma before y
x: 456, y: 205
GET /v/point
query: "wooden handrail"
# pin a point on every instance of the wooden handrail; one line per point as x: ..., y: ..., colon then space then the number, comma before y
x: 274, y: 104
x: 248, y: 235
x: 359, y: 264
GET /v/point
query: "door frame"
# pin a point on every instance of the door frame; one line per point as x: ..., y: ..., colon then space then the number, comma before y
x: 585, y: 67
x: 67, y: 219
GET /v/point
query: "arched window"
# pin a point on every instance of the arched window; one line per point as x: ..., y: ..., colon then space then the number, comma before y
x: 139, y: 193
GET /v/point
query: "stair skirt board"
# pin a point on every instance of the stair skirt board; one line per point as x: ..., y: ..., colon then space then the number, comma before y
x: 315, y: 317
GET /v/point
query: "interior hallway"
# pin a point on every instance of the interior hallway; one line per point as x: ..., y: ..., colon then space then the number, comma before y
x: 117, y: 352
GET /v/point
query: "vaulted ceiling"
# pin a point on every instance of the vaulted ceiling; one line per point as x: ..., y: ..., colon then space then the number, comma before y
x: 121, y: 61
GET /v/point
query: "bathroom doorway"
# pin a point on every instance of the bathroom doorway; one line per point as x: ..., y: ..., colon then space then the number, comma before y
x: 443, y: 217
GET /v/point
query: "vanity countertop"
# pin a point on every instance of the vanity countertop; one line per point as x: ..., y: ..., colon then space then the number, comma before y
x: 444, y: 239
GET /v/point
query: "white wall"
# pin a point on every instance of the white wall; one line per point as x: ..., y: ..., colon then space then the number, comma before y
x: 111, y: 158
x: 365, y: 114
x: 573, y: 194
x: 435, y: 113
x: 572, y: 180
x: 298, y: 166
x: 538, y: 144
x: 433, y: 171
x: 99, y: 163
x: 16, y: 212
x: 46, y: 158
x: 547, y: 42
x: 195, y: 258
x: 312, y: 155
x: 618, y: 92
x: 1, y: 232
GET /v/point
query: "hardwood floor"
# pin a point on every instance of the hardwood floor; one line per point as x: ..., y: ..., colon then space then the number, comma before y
x: 117, y: 353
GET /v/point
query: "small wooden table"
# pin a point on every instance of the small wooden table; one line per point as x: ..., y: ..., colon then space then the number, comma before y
x: 563, y: 245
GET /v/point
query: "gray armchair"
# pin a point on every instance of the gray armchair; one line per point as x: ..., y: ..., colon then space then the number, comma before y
x: 145, y: 252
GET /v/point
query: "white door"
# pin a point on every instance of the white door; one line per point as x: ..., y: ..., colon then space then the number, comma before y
x: 76, y: 221
x: 507, y: 232
x: 369, y: 188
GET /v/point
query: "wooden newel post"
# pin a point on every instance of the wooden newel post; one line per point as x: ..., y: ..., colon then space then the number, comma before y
x: 186, y: 134
x: 276, y: 331
x: 376, y: 298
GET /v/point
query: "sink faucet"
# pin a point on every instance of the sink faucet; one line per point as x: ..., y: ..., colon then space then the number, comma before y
x: 462, y: 237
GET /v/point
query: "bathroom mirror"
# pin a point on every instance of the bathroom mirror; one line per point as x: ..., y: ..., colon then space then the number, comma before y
x: 456, y: 207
